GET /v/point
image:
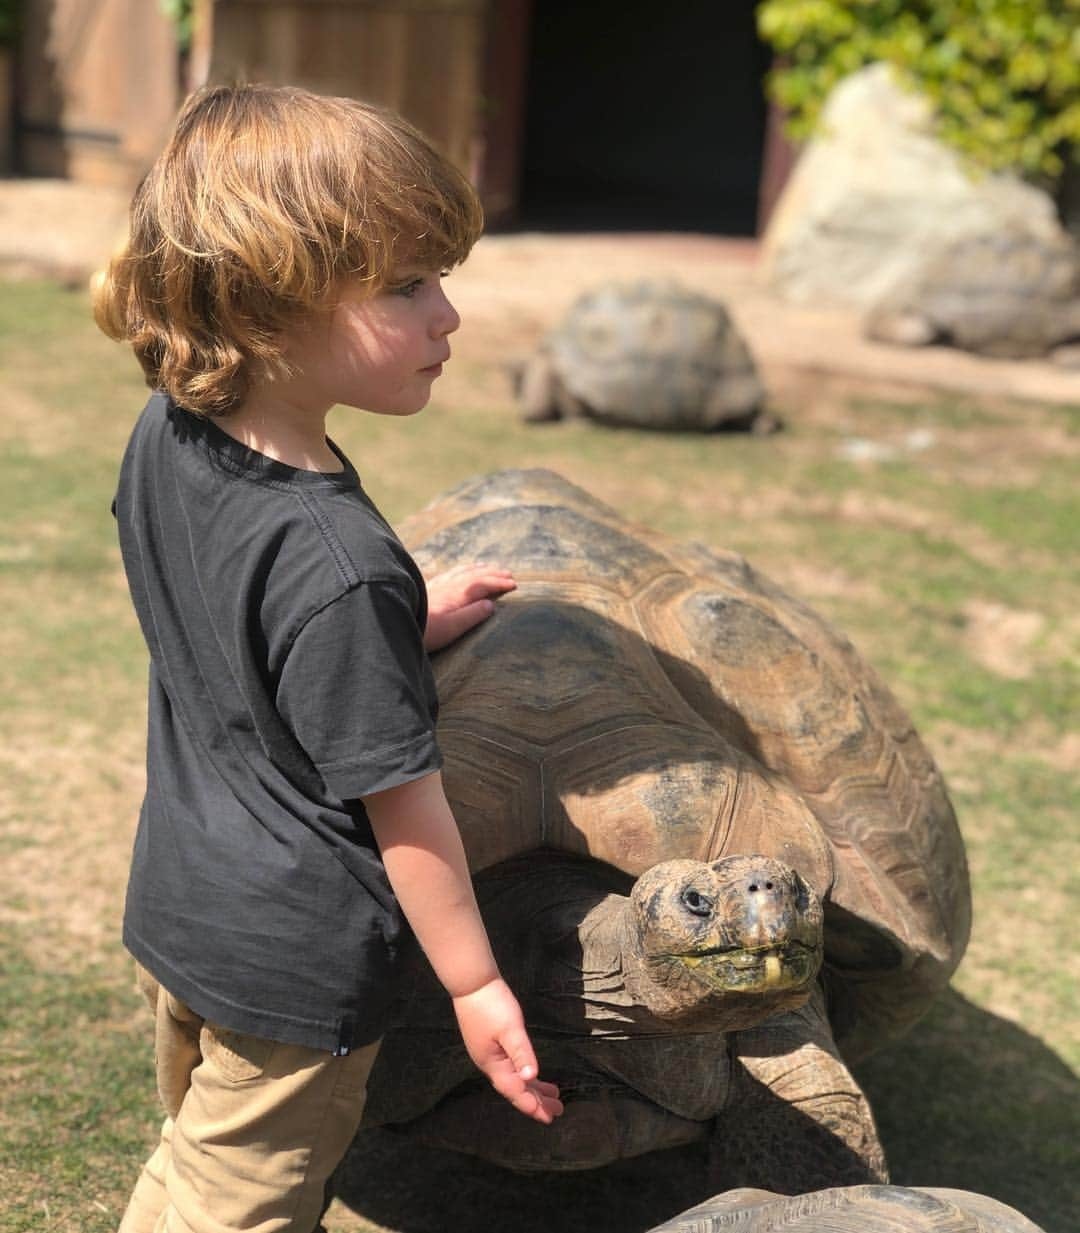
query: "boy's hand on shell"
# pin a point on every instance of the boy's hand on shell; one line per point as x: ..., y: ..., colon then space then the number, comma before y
x: 494, y: 1033
x: 461, y: 598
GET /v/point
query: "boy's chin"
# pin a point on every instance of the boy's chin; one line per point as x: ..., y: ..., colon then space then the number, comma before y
x: 406, y: 411
x: 399, y: 410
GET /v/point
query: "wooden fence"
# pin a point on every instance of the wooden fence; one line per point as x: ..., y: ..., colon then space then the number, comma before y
x: 98, y: 81
x: 96, y: 85
x: 423, y: 58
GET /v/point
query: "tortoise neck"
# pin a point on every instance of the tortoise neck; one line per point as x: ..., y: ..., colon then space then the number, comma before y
x: 616, y: 985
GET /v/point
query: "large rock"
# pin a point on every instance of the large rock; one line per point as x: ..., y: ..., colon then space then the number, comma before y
x: 877, y: 192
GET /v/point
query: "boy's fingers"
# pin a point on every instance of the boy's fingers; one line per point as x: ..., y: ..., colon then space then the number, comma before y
x: 530, y: 1104
x: 481, y: 569
x: 540, y: 1106
x: 487, y: 584
x: 510, y: 1085
x: 446, y: 627
x: 515, y: 1042
x: 471, y: 614
x: 546, y: 1090
x: 552, y: 1106
x: 448, y: 595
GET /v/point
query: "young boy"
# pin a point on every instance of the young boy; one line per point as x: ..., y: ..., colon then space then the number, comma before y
x: 284, y: 256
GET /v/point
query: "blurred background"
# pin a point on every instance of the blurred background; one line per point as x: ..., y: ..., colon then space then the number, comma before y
x: 606, y: 115
x: 562, y: 113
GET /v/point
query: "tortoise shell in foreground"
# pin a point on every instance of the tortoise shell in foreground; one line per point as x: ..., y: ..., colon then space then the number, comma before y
x: 853, y: 1209
x: 714, y: 857
x: 646, y: 354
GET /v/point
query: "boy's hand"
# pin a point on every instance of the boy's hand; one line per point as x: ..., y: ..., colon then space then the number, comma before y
x: 425, y: 862
x: 460, y: 599
x: 494, y: 1033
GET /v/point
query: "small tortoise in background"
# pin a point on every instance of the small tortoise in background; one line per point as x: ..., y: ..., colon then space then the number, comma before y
x: 852, y: 1209
x: 649, y: 354
x: 715, y: 860
x: 1007, y: 295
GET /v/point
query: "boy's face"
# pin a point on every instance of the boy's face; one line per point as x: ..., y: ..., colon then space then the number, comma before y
x: 381, y: 352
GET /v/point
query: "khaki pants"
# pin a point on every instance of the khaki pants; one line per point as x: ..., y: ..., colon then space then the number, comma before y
x: 253, y: 1132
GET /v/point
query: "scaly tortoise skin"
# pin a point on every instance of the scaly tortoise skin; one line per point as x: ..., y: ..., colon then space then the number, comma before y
x: 647, y: 354
x: 674, y: 783
x: 852, y: 1209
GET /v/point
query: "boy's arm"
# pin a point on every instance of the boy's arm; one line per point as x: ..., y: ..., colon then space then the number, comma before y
x: 425, y: 861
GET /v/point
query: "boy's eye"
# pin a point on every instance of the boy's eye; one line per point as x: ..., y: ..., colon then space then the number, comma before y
x: 408, y: 289
x: 410, y: 286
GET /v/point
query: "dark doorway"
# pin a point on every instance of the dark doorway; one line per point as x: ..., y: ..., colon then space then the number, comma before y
x: 644, y: 116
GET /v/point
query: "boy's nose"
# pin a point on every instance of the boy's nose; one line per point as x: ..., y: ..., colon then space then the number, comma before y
x: 445, y: 319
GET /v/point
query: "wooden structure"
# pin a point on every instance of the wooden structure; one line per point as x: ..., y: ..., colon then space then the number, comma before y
x: 618, y: 113
x: 96, y: 87
x: 423, y: 58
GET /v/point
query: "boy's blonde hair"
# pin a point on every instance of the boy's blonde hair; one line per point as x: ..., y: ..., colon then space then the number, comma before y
x: 264, y: 202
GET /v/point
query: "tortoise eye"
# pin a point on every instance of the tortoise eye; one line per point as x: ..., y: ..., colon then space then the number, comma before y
x: 696, y: 903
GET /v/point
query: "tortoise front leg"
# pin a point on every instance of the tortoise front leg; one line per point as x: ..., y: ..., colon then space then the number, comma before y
x: 797, y: 1120
x: 537, y: 389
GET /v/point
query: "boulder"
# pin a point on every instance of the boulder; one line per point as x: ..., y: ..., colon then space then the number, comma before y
x: 877, y: 193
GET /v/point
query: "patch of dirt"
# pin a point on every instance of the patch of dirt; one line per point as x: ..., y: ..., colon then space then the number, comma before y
x: 69, y: 801
x: 1001, y: 638
x: 957, y: 749
x: 861, y: 508
x: 803, y: 578
x: 1064, y: 755
x: 59, y: 228
x: 1009, y: 454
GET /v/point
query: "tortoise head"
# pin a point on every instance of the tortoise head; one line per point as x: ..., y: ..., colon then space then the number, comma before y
x: 740, y: 935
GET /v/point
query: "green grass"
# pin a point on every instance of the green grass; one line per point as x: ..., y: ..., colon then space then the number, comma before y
x: 77, y: 1087
x: 906, y: 555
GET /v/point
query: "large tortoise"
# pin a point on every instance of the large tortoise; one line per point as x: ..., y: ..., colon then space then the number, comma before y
x: 1011, y: 294
x: 646, y: 354
x: 714, y: 857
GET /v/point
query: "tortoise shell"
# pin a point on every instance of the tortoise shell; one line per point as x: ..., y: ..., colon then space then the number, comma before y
x: 637, y: 700
x: 1010, y: 294
x: 654, y: 354
x: 852, y: 1209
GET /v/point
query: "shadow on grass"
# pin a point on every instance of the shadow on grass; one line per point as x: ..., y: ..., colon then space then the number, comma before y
x: 966, y: 1100
x: 973, y: 1101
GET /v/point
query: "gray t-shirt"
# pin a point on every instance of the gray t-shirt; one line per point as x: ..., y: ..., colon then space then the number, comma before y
x: 288, y: 678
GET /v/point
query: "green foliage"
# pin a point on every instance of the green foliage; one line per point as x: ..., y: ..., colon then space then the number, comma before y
x: 182, y: 14
x: 1003, y: 75
x: 9, y: 21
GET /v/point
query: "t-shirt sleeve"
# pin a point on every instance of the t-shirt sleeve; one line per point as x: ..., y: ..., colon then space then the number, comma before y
x: 358, y: 692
